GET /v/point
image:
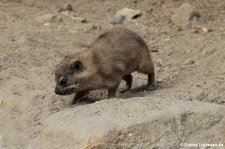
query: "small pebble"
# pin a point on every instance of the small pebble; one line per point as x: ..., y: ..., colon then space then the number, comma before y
x: 196, y: 31
x: 84, y: 20
x: 66, y: 7
x: 189, y: 62
x: 194, y: 14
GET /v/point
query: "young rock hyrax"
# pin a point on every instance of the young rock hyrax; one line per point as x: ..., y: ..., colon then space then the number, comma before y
x: 112, y: 57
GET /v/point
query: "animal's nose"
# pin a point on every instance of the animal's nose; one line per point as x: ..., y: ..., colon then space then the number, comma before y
x: 57, y: 91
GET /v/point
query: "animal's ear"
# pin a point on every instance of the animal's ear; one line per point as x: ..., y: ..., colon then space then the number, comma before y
x: 77, y: 65
x: 67, y: 57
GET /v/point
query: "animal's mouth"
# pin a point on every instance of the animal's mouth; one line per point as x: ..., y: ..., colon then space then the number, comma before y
x: 66, y: 91
x: 59, y: 92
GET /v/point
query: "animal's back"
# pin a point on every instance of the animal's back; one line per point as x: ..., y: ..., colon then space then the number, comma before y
x: 119, y: 50
x: 119, y: 40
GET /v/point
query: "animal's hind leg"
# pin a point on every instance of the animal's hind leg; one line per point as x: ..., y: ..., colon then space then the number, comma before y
x: 148, y: 69
x: 151, y: 82
x: 129, y: 79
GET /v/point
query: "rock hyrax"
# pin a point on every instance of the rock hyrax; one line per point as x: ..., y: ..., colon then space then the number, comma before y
x: 112, y: 57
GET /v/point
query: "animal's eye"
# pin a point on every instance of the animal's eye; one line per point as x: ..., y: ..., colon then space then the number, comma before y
x: 63, y: 82
x: 77, y: 66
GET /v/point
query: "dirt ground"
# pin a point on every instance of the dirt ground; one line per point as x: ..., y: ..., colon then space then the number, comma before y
x: 35, y: 36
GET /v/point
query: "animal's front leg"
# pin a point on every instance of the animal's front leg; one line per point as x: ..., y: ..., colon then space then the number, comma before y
x: 112, y: 91
x: 78, y: 96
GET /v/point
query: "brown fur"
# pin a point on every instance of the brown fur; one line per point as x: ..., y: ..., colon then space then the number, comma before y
x: 114, y: 54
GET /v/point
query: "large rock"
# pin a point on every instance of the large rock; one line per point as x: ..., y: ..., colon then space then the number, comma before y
x: 184, y: 14
x: 134, y: 123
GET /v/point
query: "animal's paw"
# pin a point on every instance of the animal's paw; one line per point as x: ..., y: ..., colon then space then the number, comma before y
x: 151, y: 87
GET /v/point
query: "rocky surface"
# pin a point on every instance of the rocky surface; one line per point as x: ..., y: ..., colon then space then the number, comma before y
x: 148, y: 123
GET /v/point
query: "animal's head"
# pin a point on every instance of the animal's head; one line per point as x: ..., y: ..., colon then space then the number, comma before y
x: 67, y: 74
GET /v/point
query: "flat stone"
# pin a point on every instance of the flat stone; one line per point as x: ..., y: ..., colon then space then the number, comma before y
x: 126, y: 14
x: 129, y: 13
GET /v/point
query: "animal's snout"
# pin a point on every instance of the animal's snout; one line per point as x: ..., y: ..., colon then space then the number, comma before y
x: 59, y: 91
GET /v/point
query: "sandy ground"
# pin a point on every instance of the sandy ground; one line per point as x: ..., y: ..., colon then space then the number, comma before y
x: 190, y: 63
